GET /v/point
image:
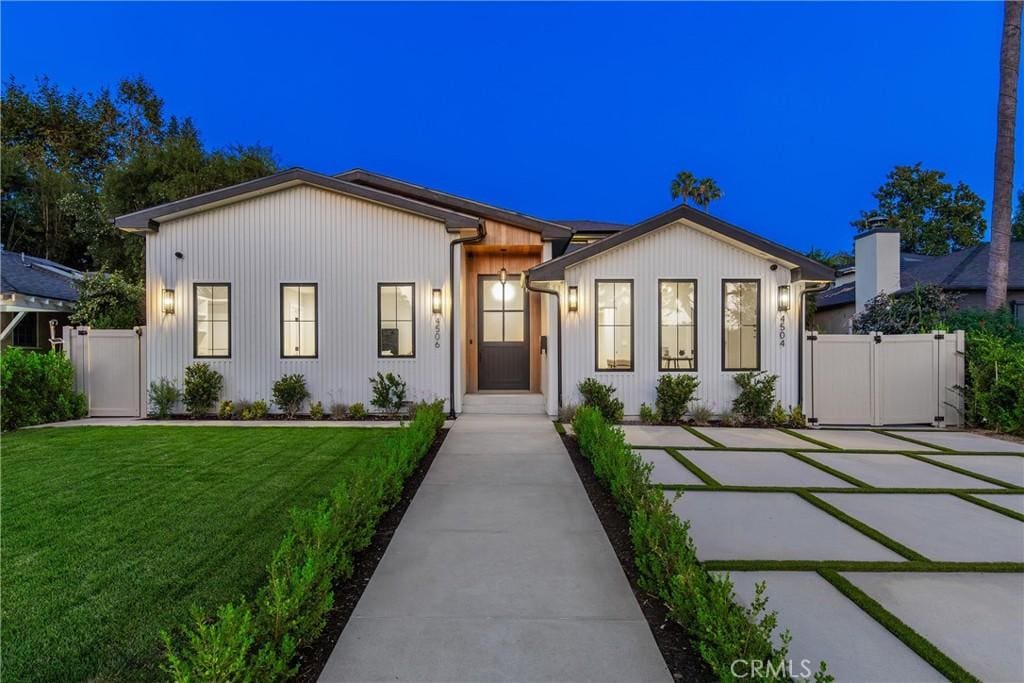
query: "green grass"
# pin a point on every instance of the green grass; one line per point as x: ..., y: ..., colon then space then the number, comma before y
x: 109, y: 534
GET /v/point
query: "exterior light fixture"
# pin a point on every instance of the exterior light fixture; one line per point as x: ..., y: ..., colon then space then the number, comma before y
x: 784, y: 297
x: 167, y: 301
x: 502, y: 274
x: 574, y: 298
x: 435, y: 301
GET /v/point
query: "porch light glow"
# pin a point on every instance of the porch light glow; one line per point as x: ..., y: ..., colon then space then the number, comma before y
x: 435, y: 301
x: 784, y: 297
x: 503, y: 275
x: 167, y: 301
x: 574, y: 298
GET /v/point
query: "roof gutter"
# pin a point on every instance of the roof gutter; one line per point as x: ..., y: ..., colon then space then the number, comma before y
x: 558, y: 342
x: 481, y: 233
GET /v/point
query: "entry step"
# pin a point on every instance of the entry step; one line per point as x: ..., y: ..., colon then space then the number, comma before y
x: 503, y: 404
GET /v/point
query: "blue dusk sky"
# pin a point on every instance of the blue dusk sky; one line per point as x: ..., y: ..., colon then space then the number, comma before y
x: 565, y: 110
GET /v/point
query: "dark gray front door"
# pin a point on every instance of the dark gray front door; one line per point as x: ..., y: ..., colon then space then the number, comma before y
x: 504, y: 333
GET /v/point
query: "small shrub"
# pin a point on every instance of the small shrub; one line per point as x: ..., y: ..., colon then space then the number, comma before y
x: 37, y: 388
x: 674, y: 393
x: 729, y: 419
x: 163, y: 396
x: 316, y: 411
x: 203, y: 385
x: 701, y: 415
x: 995, y: 374
x: 600, y: 396
x: 415, y: 408
x: 648, y: 415
x: 357, y: 411
x: 257, y: 410
x: 226, y: 411
x: 797, y: 419
x: 389, y: 392
x: 778, y: 416
x: 338, y: 411
x: 289, y: 392
x: 567, y: 412
x: 754, y: 403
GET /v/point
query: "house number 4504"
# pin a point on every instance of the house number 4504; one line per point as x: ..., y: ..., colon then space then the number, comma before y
x: 782, y: 329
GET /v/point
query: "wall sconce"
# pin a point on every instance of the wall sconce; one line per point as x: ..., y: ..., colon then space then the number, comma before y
x: 574, y: 298
x: 167, y: 301
x: 435, y: 301
x: 784, y: 297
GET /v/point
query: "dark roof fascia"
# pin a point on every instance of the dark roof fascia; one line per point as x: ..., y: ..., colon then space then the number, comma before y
x: 548, y: 230
x: 806, y: 268
x: 149, y: 219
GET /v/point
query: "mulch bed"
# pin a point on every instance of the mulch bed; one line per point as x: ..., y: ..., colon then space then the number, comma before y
x: 313, y: 658
x: 683, y: 661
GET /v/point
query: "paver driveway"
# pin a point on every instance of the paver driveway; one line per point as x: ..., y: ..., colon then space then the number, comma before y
x: 923, y: 526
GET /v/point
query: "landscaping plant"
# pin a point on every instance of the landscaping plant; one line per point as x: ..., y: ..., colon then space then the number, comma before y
x: 994, y: 394
x: 754, y: 403
x: 226, y: 411
x: 289, y: 392
x: 600, y: 396
x: 701, y: 415
x: 919, y: 311
x: 37, y: 388
x: 109, y: 301
x: 257, y: 410
x: 203, y: 385
x: 357, y: 411
x: 648, y: 415
x: 797, y: 419
x: 674, y: 393
x: 338, y: 411
x: 567, y: 412
x: 316, y: 411
x: 389, y: 392
x: 163, y: 396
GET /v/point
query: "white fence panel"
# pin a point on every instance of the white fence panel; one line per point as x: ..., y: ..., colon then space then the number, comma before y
x: 882, y: 380
x: 109, y: 369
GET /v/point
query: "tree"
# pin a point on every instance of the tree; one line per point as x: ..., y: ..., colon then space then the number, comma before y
x: 109, y: 302
x: 837, y: 259
x: 1017, y: 228
x: 689, y: 188
x: 924, y: 309
x: 1002, y: 193
x: 933, y: 216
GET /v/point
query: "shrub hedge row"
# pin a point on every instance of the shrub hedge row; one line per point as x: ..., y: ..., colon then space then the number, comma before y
x: 37, y: 388
x: 702, y: 603
x: 258, y: 639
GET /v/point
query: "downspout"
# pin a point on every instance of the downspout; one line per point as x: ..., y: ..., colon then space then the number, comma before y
x: 558, y: 305
x: 481, y: 233
x: 800, y: 349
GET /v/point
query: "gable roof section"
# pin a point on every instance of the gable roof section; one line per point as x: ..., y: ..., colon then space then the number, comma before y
x: 547, y: 229
x: 803, y: 268
x: 33, y: 276
x: 148, y: 220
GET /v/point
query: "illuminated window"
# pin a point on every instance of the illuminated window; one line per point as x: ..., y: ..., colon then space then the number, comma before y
x: 396, y: 329
x: 677, y: 332
x: 212, y: 317
x: 741, y: 324
x: 614, y: 324
x: 298, y: 321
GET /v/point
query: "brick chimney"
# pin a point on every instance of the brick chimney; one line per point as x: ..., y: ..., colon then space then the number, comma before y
x: 877, y: 261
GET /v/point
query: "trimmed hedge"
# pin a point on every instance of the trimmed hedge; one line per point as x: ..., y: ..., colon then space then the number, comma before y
x: 258, y: 639
x: 36, y: 388
x: 703, y: 604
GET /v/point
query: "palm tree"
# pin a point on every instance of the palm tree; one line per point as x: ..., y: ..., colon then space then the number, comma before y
x: 706, y: 192
x: 683, y: 186
x: 1002, y: 194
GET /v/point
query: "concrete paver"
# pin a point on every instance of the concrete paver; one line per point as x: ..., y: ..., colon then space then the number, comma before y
x: 667, y: 470
x: 825, y: 625
x: 856, y: 439
x: 1008, y: 501
x: 1008, y: 468
x: 939, y: 526
x: 753, y: 437
x: 976, y: 619
x: 760, y: 468
x: 655, y: 435
x: 963, y: 441
x: 885, y: 470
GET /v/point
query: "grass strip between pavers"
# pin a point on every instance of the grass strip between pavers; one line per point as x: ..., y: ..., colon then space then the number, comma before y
x: 797, y: 435
x: 960, y: 470
x: 858, y: 451
x: 827, y: 469
x: 911, y: 566
x: 936, y: 446
x: 994, y: 507
x: 911, y: 638
x: 696, y: 471
x: 870, y: 532
x: 837, y: 489
x: 703, y: 437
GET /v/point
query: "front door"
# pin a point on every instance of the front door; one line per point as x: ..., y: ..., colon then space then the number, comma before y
x: 503, y: 321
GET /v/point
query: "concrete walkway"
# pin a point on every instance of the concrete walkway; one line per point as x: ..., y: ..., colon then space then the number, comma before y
x: 500, y: 570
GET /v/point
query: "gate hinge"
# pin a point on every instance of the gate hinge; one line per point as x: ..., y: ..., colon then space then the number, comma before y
x: 812, y: 420
x: 83, y: 332
x: 939, y: 335
x: 812, y: 336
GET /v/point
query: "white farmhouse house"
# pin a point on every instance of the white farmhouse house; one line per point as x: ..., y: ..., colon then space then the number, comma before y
x: 339, y: 277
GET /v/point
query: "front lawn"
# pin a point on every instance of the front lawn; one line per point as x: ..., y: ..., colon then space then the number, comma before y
x: 108, y: 534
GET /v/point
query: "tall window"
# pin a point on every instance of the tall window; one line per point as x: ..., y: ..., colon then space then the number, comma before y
x: 677, y: 334
x: 614, y: 320
x: 741, y: 324
x: 1018, y: 311
x: 26, y: 333
x: 298, y: 320
x: 396, y: 330
x: 212, y: 318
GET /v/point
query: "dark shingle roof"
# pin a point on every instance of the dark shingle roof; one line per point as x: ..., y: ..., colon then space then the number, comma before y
x: 33, y: 276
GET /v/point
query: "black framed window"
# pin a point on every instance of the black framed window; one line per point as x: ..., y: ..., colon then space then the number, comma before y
x: 211, y: 317
x: 613, y: 320
x: 503, y: 307
x: 396, y: 320
x: 1017, y: 307
x: 26, y: 332
x: 299, y: 320
x: 677, y: 324
x: 741, y: 324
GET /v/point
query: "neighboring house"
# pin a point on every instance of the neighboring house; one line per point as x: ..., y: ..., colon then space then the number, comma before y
x: 340, y: 277
x: 34, y: 292
x: 881, y: 267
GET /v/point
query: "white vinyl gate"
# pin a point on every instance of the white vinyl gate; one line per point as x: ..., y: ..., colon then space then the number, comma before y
x: 109, y: 369
x: 876, y: 379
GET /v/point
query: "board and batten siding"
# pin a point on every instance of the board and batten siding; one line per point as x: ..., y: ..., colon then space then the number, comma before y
x: 679, y: 251
x: 298, y: 235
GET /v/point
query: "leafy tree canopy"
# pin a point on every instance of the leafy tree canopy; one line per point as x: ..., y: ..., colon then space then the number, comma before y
x: 700, y: 191
x: 109, y: 302
x: 934, y: 217
x: 1017, y: 228
x: 72, y: 161
x: 924, y: 309
x: 837, y: 259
